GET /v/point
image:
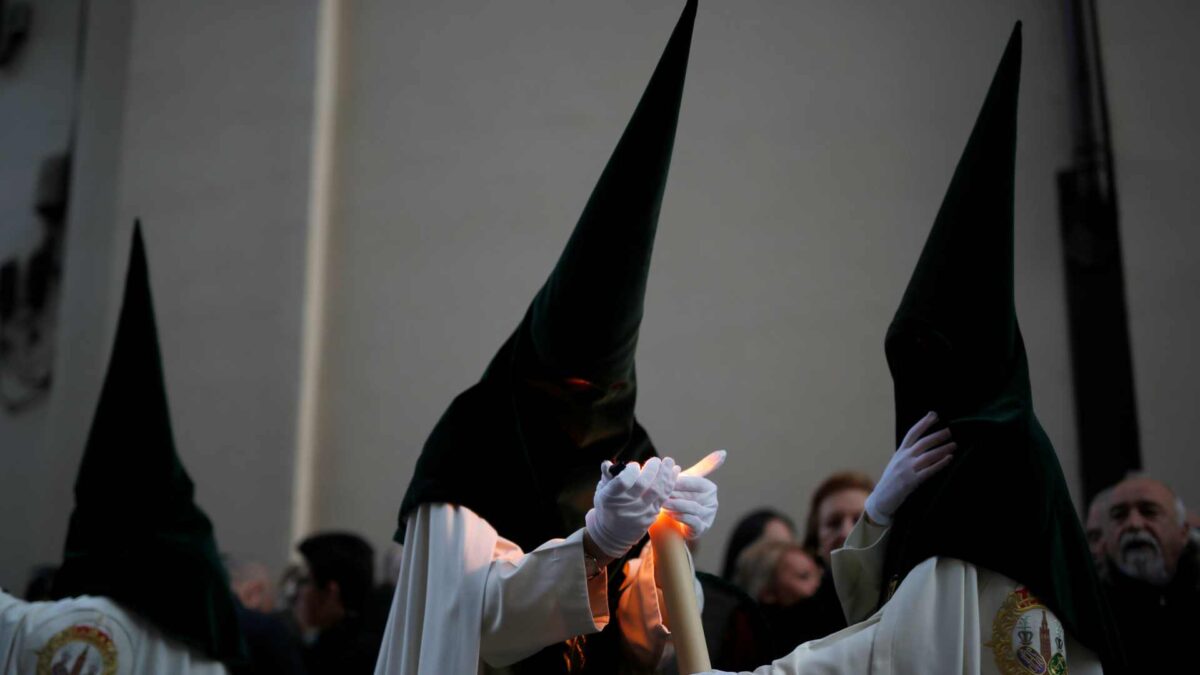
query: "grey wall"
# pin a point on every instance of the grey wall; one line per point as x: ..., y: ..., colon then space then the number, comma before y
x: 35, y: 105
x: 814, y: 147
x: 815, y: 143
x: 197, y: 120
x: 215, y: 162
x: 1150, y: 52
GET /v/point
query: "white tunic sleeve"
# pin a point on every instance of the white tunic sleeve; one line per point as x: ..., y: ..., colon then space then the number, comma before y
x: 466, y: 596
x: 858, y: 569
x: 536, y: 599
x: 12, y: 631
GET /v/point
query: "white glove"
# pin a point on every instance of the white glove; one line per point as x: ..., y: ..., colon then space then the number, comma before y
x: 693, y: 502
x: 626, y: 505
x: 915, y: 461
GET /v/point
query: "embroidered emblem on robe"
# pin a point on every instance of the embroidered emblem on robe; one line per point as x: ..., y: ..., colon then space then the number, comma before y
x: 80, y: 649
x: 1027, y: 639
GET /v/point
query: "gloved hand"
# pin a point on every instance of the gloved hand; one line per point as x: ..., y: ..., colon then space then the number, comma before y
x: 915, y: 461
x: 693, y: 502
x: 626, y: 504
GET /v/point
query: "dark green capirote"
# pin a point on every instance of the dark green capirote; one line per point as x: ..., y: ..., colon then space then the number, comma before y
x: 954, y: 347
x: 522, y: 447
x: 136, y: 535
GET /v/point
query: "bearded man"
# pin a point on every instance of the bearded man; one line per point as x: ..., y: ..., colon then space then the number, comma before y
x: 1152, y: 575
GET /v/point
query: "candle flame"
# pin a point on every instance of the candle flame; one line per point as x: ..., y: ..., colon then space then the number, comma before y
x: 709, y: 464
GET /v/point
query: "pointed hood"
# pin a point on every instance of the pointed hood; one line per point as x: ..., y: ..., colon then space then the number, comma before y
x: 584, y: 321
x: 955, y: 347
x: 136, y: 536
x: 558, y: 397
x: 958, y: 311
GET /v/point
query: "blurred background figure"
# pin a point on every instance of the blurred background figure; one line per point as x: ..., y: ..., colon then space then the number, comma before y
x: 778, y: 573
x: 789, y: 578
x: 1097, y: 516
x: 835, y: 507
x: 338, y: 574
x: 735, y: 628
x: 736, y: 625
x: 1152, y: 574
x: 251, y: 583
x: 273, y: 642
x: 289, y: 590
x: 783, y: 577
x: 764, y: 523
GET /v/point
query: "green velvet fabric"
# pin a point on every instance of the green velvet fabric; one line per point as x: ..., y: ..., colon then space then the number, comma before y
x: 955, y: 347
x: 522, y: 447
x: 136, y: 536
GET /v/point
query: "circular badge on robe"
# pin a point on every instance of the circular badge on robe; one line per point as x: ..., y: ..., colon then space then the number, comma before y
x: 80, y: 649
x: 1027, y: 639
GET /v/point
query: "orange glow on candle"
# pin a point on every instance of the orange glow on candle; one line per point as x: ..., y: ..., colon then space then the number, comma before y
x: 675, y: 577
x: 665, y: 519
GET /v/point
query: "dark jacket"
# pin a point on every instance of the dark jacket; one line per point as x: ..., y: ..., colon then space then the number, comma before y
x: 349, y: 648
x: 809, y: 619
x: 1158, y: 625
x: 273, y: 649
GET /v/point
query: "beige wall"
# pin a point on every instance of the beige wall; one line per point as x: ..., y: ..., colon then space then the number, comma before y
x: 815, y: 143
x: 1150, y: 52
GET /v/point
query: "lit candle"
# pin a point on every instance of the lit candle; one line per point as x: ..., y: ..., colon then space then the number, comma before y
x: 674, y: 574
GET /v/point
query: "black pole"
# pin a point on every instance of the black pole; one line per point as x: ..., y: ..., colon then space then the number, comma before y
x: 1101, y: 359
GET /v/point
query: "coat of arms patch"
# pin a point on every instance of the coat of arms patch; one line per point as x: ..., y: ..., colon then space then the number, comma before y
x: 1027, y: 639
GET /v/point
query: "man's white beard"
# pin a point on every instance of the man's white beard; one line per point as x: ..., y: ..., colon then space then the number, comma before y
x: 1144, y: 562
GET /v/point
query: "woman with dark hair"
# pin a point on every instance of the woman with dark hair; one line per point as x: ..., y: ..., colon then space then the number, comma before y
x: 765, y: 523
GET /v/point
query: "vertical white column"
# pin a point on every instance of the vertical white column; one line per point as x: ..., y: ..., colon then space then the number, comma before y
x: 320, y: 210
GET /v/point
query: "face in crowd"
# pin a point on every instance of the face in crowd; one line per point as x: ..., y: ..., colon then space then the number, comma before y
x: 776, y: 529
x: 1146, y: 531
x: 1097, y: 515
x: 318, y: 605
x: 251, y: 583
x: 836, y: 516
x: 796, y: 577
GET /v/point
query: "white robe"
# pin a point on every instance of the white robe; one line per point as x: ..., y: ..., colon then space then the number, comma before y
x: 947, y: 617
x: 88, y: 636
x: 468, y: 600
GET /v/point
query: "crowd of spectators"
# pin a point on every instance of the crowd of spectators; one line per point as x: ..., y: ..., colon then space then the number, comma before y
x: 323, y: 615
x: 327, y: 612
x: 1145, y: 544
